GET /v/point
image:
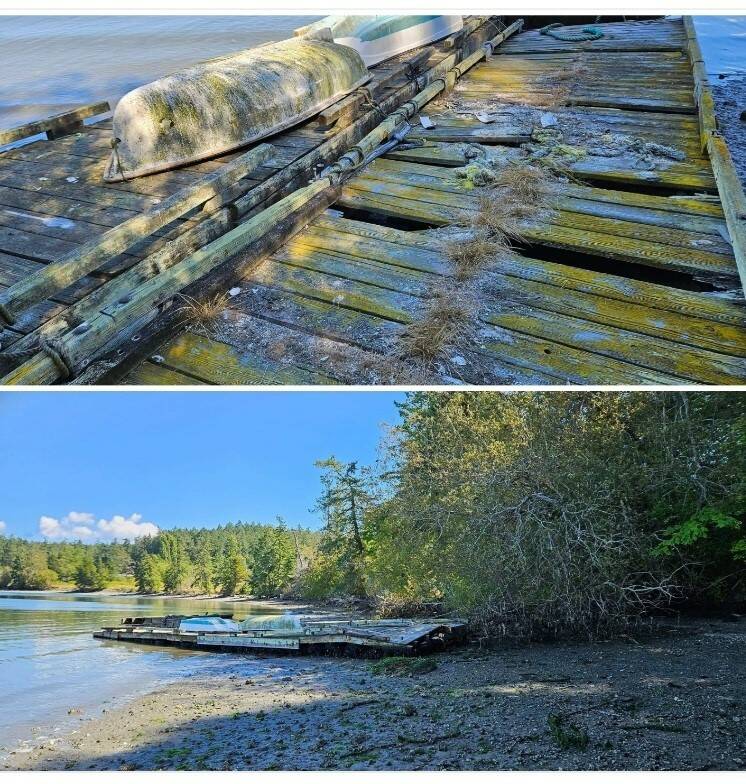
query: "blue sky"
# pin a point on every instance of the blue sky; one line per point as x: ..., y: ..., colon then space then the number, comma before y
x: 91, y: 462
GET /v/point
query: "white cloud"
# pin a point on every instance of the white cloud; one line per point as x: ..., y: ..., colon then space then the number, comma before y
x: 80, y: 517
x: 2, y: 526
x: 80, y: 525
x: 127, y: 527
x: 50, y: 527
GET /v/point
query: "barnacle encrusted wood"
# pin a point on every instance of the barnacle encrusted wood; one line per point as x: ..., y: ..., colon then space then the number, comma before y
x: 227, y: 102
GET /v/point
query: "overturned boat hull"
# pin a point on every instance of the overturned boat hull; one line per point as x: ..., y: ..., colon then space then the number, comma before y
x: 228, y: 102
x: 378, y: 38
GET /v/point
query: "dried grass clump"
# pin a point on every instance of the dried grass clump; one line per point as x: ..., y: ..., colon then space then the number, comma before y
x: 527, y: 186
x: 556, y: 86
x: 202, y: 313
x: 469, y: 254
x: 553, y: 95
x: 445, y: 324
x: 497, y: 214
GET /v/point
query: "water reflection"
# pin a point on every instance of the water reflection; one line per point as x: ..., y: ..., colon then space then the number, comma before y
x: 51, y: 664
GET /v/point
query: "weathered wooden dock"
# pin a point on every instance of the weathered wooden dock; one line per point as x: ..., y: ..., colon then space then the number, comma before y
x: 632, y: 275
x: 313, y: 635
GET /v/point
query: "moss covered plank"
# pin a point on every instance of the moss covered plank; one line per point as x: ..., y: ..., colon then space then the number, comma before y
x: 434, y: 209
x: 152, y: 374
x: 341, y: 235
x: 620, y: 345
x: 214, y: 362
x: 519, y: 358
x: 663, y: 226
x: 626, y: 171
x: 544, y: 291
x: 693, y: 364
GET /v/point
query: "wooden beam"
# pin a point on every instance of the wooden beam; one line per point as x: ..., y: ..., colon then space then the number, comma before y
x: 56, y: 125
x: 726, y: 177
x: 79, y: 262
x: 71, y: 352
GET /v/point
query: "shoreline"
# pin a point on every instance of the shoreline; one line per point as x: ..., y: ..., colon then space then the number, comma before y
x: 289, y: 604
x: 475, y: 709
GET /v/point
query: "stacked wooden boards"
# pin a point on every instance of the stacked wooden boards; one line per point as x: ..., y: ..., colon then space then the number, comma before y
x: 53, y: 200
x: 311, y: 635
x: 629, y: 278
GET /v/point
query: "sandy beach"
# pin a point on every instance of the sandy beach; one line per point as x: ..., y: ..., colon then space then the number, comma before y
x: 616, y: 706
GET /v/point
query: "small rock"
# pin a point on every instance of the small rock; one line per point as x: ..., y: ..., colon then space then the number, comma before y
x: 71, y: 179
x: 547, y: 120
x: 458, y: 360
x: 235, y: 291
x: 157, y: 358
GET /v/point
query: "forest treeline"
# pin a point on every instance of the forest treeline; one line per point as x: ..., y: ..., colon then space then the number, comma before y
x: 262, y: 560
x: 532, y: 514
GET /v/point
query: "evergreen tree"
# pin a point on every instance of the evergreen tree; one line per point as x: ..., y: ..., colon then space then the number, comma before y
x: 233, y: 572
x: 345, y: 499
x: 203, y: 575
x: 175, y: 570
x: 90, y: 577
x: 148, y: 577
x: 273, y: 558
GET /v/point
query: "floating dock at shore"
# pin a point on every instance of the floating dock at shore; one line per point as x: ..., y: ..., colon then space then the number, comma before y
x: 313, y: 635
x: 633, y: 276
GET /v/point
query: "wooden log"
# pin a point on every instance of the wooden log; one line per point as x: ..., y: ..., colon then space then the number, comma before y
x: 54, y: 126
x: 732, y: 198
x: 164, y: 258
x: 345, y: 110
x: 727, y: 180
x: 91, y: 255
x: 72, y: 352
x: 702, y: 93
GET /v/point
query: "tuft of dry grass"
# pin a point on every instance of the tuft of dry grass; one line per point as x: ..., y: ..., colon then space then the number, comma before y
x: 444, y: 324
x: 527, y: 187
x: 556, y: 86
x: 497, y: 215
x: 470, y: 254
x: 202, y: 313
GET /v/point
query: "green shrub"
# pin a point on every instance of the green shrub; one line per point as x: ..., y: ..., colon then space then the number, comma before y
x: 567, y: 735
x: 403, y: 665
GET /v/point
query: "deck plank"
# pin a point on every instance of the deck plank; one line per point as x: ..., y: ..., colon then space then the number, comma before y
x: 619, y: 280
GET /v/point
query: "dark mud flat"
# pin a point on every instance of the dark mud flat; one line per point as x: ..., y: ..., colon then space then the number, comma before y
x: 675, y: 700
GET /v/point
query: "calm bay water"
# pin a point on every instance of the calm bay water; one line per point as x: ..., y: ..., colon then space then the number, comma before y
x: 49, y: 63
x: 50, y: 664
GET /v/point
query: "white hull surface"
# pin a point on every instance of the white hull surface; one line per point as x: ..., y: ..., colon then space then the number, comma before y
x: 228, y: 102
x: 378, y: 38
x: 208, y: 624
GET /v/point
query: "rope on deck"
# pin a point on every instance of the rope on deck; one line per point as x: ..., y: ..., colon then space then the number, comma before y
x: 586, y: 33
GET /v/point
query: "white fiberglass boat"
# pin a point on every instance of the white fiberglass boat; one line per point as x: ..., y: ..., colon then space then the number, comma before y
x: 377, y: 38
x: 206, y: 624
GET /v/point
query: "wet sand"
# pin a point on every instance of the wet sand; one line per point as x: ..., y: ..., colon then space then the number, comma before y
x: 674, y: 700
